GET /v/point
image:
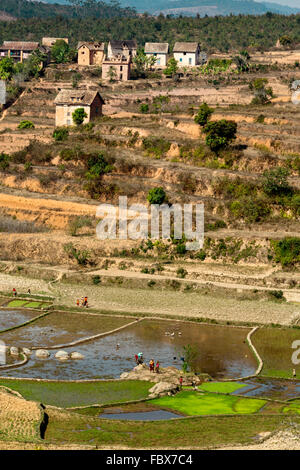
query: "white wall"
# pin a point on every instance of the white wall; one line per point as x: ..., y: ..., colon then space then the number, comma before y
x: 161, y: 59
x: 188, y: 59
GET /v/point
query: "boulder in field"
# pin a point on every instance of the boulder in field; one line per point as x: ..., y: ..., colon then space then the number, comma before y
x: 162, y: 388
x: 14, y: 351
x: 62, y: 355
x: 76, y: 355
x: 26, y: 351
x: 42, y: 353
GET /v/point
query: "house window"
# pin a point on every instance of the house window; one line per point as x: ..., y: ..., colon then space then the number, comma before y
x: 158, y: 61
x: 184, y: 53
x: 190, y: 61
x: 180, y: 60
x: 121, y: 68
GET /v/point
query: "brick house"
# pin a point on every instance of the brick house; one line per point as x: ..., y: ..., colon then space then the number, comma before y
x: 67, y: 101
x: 159, y: 50
x: 18, y: 50
x: 116, y: 68
x: 187, y: 53
x: 122, y: 48
x: 90, y: 53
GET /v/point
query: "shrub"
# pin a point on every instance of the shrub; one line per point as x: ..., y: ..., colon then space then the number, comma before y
x: 156, y: 196
x: 97, y: 166
x: 203, y: 115
x: 26, y: 125
x: 219, y: 134
x: 81, y: 256
x: 252, y: 209
x: 4, y: 161
x: 286, y: 251
x: 200, y: 255
x: 275, y: 181
x: 27, y: 166
x: 60, y: 133
x: 181, y: 272
x: 156, y: 146
x: 260, y: 119
x: 96, y: 280
x: 277, y: 294
x: 78, y: 222
x: 144, y: 108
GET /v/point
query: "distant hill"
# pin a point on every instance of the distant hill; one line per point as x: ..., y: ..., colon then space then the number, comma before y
x: 155, y: 7
x: 43, y: 9
x: 209, y: 7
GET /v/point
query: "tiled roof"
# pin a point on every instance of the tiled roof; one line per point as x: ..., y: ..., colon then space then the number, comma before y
x: 185, y: 47
x: 157, y: 47
x: 130, y: 44
x: 19, y: 45
x: 83, y: 97
x: 92, y: 46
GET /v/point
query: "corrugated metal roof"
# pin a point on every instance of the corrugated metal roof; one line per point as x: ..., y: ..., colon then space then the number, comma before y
x: 185, y: 47
x: 83, y: 97
x: 157, y: 47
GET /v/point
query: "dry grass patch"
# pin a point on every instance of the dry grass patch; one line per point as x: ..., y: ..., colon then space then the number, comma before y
x: 19, y: 419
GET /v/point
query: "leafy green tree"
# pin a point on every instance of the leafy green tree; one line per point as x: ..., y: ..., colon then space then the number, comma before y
x: 7, y: 68
x: 157, y: 196
x: 190, y: 355
x: 112, y: 74
x: 143, y: 62
x: 203, y: 115
x: 275, y: 181
x: 60, y: 51
x: 219, y: 134
x: 79, y: 116
x: 171, y: 68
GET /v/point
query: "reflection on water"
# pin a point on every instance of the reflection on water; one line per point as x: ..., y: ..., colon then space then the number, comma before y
x: 10, y: 318
x: 270, y: 388
x: 221, y: 352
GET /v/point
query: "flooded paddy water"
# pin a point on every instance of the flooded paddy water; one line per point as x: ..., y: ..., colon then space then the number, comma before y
x: 221, y: 350
x: 11, y: 318
x: 279, y: 389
